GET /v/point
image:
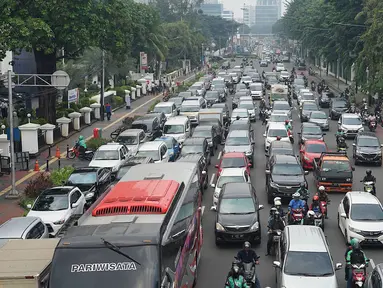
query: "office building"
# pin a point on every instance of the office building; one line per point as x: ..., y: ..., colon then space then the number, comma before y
x: 267, y: 13
x: 248, y: 13
x: 228, y: 15
x: 212, y: 9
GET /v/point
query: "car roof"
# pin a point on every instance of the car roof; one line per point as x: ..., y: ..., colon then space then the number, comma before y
x: 366, y: 134
x: 281, y: 144
x: 131, y: 132
x: 318, y: 112
x: 350, y: 115
x: 59, y: 190
x: 164, y: 104
x: 238, y: 133
x: 190, y: 158
x: 152, y: 145
x: 276, y: 125
x: 305, y: 238
x: 233, y: 155
x: 239, y: 110
x: 239, y: 171
x: 194, y: 141
x: 279, y: 113
x: 279, y: 158
x: 85, y: 169
x: 309, y: 124
x: 177, y: 120
x: 280, y: 101
x: 15, y: 227
x: 314, y: 141
x: 163, y: 138
x: 237, y: 190
x: 203, y: 127
x: 110, y: 147
x: 359, y: 197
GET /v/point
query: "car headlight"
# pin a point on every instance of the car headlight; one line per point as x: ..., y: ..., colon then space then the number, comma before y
x: 323, y: 179
x: 89, y: 195
x: 361, y: 129
x: 248, y: 153
x: 60, y: 222
x: 348, y: 180
x: 114, y: 169
x: 306, y: 158
x: 273, y: 185
x: 354, y: 230
x: 219, y: 227
x: 358, y: 152
x: 255, y: 226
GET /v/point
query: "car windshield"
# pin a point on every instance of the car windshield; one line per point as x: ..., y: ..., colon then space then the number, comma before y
x: 51, y: 203
x: 168, y: 141
x: 211, y: 96
x: 103, y: 267
x: 256, y: 88
x: 106, y: 155
x: 281, y: 151
x: 237, y: 141
x: 121, y: 173
x: 202, y: 133
x: 277, y: 132
x: 164, y: 109
x: 237, y: 206
x: 351, y: 121
x: 281, y: 106
x: 313, y: 264
x: 287, y: 169
x: 174, y: 129
x: 278, y: 118
x: 83, y: 178
x: 192, y: 149
x: 272, y: 80
x: 177, y: 100
x: 368, y: 142
x: 310, y: 107
x: 233, y: 162
x: 240, y: 114
x: 311, y: 130
x: 366, y: 212
x: 154, y: 154
x: 229, y: 179
x: 300, y: 82
x: 339, y: 104
x: 316, y: 115
x: 316, y: 148
x: 189, y: 108
x: 248, y: 106
x: 128, y: 139
x: 336, y: 166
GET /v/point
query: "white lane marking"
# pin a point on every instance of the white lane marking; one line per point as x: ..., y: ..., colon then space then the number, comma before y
x: 219, y: 155
x: 212, y: 179
x: 372, y: 263
x: 203, y: 210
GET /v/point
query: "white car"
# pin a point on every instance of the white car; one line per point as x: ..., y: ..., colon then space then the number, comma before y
x: 132, y: 138
x: 284, y: 75
x: 246, y: 80
x: 360, y: 216
x: 350, y: 124
x: 300, y: 92
x: 278, y: 117
x: 55, y: 205
x: 240, y: 113
x: 157, y: 150
x: 256, y: 91
x: 111, y: 155
x: 234, y: 76
x: 273, y: 131
x: 280, y: 67
x: 306, y: 97
x: 282, y: 106
x: 168, y: 108
x: 249, y: 105
x: 229, y: 175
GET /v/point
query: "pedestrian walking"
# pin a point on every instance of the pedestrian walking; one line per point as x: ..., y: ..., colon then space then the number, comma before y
x: 150, y: 88
x: 127, y: 101
x: 108, y: 110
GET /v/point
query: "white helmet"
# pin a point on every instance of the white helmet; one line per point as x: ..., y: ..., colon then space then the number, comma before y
x: 277, y: 200
x: 321, y: 188
x: 296, y: 195
x: 310, y: 213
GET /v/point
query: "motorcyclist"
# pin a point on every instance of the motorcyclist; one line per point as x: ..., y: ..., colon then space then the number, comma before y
x: 278, y: 206
x: 296, y: 203
x: 355, y: 256
x: 371, y: 118
x: 303, y: 191
x: 342, y: 143
x: 338, y: 134
x: 275, y: 224
x: 364, y: 106
x: 315, y: 205
x: 323, y: 197
x: 370, y: 178
x: 349, y: 248
x: 248, y: 255
x: 262, y: 104
x: 309, y: 219
x: 234, y: 278
x: 288, y: 125
x: 81, y: 145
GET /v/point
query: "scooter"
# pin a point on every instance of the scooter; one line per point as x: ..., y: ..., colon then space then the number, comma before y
x: 369, y: 187
x: 291, y: 136
x: 372, y: 125
x: 319, y: 220
x: 359, y: 274
x: 75, y: 152
x: 296, y: 216
x: 249, y: 273
x: 276, y: 247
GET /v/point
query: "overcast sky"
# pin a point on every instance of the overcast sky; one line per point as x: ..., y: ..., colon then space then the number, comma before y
x: 235, y: 5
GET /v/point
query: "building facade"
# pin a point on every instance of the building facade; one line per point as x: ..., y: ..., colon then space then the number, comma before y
x: 267, y: 13
x: 248, y: 15
x: 228, y: 15
x: 212, y: 9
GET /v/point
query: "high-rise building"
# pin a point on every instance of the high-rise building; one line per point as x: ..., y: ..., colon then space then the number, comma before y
x: 212, y: 9
x: 248, y: 12
x: 228, y: 15
x: 267, y: 13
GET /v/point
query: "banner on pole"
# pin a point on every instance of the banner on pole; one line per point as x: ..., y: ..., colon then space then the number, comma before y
x: 73, y: 95
x: 143, y: 61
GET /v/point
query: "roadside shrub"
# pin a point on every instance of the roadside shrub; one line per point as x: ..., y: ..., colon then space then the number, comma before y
x: 40, y: 121
x: 95, y: 143
x: 59, y: 176
x: 129, y: 120
x: 84, y: 102
x: 119, y: 91
x: 118, y: 101
x: 23, y: 203
x: 37, y: 185
x: 151, y: 108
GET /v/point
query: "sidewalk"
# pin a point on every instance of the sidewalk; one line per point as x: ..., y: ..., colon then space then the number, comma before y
x: 138, y: 107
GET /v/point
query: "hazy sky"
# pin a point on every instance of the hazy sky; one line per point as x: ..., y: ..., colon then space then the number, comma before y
x: 235, y: 5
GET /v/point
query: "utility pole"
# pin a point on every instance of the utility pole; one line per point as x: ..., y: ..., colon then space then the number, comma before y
x: 102, y: 108
x: 12, y: 143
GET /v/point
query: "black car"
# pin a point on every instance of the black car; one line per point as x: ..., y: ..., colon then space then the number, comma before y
x: 160, y: 116
x: 220, y: 129
x: 212, y: 97
x: 151, y: 124
x: 237, y: 214
x: 202, y: 168
x: 310, y: 131
x: 226, y: 112
x: 375, y: 277
x: 221, y: 89
x: 241, y: 125
x: 196, y: 145
x: 306, y: 109
x: 367, y: 149
x: 324, y: 100
x: 210, y: 133
x: 280, y: 148
x: 337, y: 107
x: 92, y: 181
x: 133, y: 161
x: 284, y: 177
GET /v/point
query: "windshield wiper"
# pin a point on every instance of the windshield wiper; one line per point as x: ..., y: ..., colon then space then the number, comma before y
x: 305, y: 274
x: 345, y: 170
x: 117, y: 250
x: 325, y: 274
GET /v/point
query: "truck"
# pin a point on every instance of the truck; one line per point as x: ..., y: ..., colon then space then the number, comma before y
x: 26, y: 263
x: 278, y: 92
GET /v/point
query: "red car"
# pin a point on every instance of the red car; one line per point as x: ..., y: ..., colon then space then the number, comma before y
x: 311, y: 151
x: 233, y: 160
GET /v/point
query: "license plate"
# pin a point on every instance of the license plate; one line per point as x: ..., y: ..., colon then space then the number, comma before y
x: 238, y: 236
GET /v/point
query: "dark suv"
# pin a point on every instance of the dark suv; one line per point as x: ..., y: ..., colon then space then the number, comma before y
x: 284, y: 177
x: 367, y: 149
x: 337, y: 107
x: 196, y: 145
x: 202, y: 168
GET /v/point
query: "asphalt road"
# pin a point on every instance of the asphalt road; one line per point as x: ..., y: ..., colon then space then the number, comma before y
x: 216, y: 262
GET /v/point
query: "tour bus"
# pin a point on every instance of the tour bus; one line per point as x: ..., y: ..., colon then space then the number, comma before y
x: 145, y: 232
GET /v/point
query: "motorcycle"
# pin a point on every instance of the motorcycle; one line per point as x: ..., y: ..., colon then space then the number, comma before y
x: 313, y: 87
x: 323, y: 207
x: 75, y: 152
x: 291, y: 136
x: 369, y: 187
x: 249, y: 273
x: 319, y: 220
x: 358, y: 274
x: 296, y: 216
x: 276, y: 247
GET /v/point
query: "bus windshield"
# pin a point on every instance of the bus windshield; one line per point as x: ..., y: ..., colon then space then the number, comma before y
x: 102, y: 267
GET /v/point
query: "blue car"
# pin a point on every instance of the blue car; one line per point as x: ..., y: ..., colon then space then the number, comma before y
x: 173, y: 146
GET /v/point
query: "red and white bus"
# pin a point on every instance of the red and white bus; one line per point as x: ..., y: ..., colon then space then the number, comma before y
x: 145, y: 232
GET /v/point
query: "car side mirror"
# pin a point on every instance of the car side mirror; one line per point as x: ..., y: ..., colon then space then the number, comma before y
x: 343, y: 215
x: 338, y: 266
x: 212, y: 185
x: 74, y: 205
x: 353, y: 144
x: 29, y: 206
x: 264, y: 135
x: 216, y: 166
x: 252, y: 142
x: 213, y: 208
x: 267, y: 172
x: 260, y: 207
x: 123, y: 157
x: 277, y: 264
x: 203, y: 172
x: 307, y: 172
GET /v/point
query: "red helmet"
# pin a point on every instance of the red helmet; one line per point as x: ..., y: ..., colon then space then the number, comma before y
x: 316, y: 198
x: 278, y: 137
x: 287, y: 121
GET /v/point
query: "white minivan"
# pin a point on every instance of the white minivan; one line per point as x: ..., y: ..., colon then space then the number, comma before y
x: 168, y: 108
x: 178, y: 127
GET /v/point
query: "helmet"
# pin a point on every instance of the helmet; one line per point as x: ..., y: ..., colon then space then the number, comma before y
x: 356, y: 245
x: 364, y: 99
x: 247, y: 245
x: 296, y: 195
x: 316, y: 198
x: 368, y: 172
x: 321, y: 189
x: 278, y: 138
x: 310, y: 213
x: 353, y: 241
x: 273, y: 210
x: 287, y: 121
x: 339, y: 130
x: 303, y: 185
x: 81, y: 138
x: 235, y: 266
x: 278, y: 203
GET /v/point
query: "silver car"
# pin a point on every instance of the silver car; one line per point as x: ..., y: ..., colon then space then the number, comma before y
x: 240, y: 141
x: 320, y: 118
x: 249, y: 105
x: 24, y: 228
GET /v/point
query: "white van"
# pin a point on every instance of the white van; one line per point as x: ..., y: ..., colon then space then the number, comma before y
x: 191, y: 109
x: 178, y: 127
x: 168, y: 108
x: 305, y: 258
